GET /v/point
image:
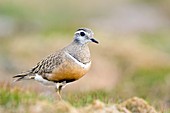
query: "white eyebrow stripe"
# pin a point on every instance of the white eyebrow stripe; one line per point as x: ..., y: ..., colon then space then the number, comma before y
x: 80, y: 31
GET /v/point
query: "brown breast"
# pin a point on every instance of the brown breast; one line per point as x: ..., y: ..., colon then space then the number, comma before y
x: 68, y: 71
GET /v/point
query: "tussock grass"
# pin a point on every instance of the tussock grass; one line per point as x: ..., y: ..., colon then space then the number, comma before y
x: 84, y: 98
x: 12, y: 97
x: 15, y: 100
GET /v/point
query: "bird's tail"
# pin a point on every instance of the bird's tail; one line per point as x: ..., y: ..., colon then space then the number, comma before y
x: 21, y: 76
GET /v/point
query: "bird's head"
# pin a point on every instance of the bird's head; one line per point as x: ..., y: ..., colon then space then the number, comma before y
x: 84, y: 36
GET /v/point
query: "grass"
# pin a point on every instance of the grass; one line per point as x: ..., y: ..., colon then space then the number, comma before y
x: 14, y: 100
x: 148, y: 82
x: 82, y: 99
x: 14, y: 97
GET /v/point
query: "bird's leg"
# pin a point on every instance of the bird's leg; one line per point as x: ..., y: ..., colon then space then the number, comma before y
x: 59, y: 87
x: 58, y: 90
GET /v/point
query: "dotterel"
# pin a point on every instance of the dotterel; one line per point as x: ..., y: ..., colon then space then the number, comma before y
x: 64, y: 66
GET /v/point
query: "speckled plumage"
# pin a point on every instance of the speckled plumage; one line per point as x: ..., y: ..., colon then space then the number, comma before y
x: 48, y: 65
x: 66, y: 65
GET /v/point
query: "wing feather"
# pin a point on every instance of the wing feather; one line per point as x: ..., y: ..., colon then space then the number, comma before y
x: 45, y: 66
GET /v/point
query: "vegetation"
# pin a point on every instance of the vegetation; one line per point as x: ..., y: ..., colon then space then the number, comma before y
x: 135, y: 61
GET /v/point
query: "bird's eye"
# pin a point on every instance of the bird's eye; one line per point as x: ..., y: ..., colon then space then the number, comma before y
x: 82, y: 33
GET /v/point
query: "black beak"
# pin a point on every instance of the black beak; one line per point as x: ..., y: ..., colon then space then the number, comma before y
x: 93, y: 40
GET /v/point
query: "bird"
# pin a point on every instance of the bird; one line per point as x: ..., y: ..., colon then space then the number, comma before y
x: 65, y: 65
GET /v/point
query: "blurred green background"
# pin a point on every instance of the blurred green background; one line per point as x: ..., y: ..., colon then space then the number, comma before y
x: 133, y: 58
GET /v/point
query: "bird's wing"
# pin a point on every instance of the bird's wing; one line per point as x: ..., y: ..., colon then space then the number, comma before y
x: 44, y: 67
x: 48, y: 64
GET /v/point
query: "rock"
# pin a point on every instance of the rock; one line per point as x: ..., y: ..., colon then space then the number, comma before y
x: 99, y: 107
x: 138, y: 105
